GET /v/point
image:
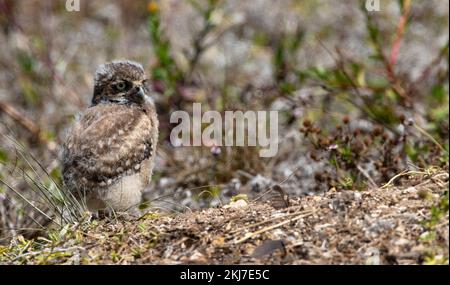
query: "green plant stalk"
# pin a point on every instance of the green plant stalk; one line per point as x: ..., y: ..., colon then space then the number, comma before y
x: 430, y: 137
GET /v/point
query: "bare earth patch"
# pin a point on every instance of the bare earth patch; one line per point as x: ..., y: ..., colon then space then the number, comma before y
x: 390, y: 225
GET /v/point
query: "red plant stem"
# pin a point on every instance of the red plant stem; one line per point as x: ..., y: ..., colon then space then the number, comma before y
x: 395, y: 50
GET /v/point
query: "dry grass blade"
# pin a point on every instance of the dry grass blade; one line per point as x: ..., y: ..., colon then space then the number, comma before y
x: 270, y: 220
x: 28, y: 201
x: 254, y: 234
x: 427, y: 172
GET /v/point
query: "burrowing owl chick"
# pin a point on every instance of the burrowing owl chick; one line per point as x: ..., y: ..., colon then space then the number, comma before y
x: 109, y: 153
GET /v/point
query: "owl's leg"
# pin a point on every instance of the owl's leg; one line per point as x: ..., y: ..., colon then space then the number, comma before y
x: 110, y: 214
x: 106, y: 213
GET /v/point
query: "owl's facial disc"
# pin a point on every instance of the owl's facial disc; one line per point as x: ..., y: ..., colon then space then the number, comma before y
x: 121, y: 82
x: 125, y: 91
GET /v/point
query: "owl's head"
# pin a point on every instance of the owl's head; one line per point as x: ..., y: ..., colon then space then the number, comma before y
x: 120, y: 82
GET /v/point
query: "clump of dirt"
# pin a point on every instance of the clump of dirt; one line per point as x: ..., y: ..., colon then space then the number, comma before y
x: 390, y: 225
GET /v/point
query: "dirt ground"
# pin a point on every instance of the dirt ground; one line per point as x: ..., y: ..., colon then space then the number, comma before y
x: 388, y: 225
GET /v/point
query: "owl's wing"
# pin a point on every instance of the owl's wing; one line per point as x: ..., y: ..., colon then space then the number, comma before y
x: 108, y: 142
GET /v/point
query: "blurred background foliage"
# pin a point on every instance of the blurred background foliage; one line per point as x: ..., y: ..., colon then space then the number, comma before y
x: 361, y: 95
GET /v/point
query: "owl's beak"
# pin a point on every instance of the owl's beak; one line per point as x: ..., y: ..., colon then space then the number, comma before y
x: 141, y: 91
x: 138, y: 95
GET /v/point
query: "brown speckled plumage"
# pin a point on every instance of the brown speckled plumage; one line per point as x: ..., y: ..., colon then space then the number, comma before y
x: 109, y: 153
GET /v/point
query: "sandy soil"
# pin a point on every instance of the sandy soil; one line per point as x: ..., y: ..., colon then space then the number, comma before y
x: 388, y: 225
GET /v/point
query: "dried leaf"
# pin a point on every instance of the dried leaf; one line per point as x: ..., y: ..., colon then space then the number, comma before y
x: 268, y: 247
x: 279, y: 199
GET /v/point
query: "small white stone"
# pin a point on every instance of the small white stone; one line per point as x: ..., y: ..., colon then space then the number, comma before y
x: 239, y: 204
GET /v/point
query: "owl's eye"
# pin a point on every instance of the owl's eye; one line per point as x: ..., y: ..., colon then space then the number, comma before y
x: 121, y: 86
